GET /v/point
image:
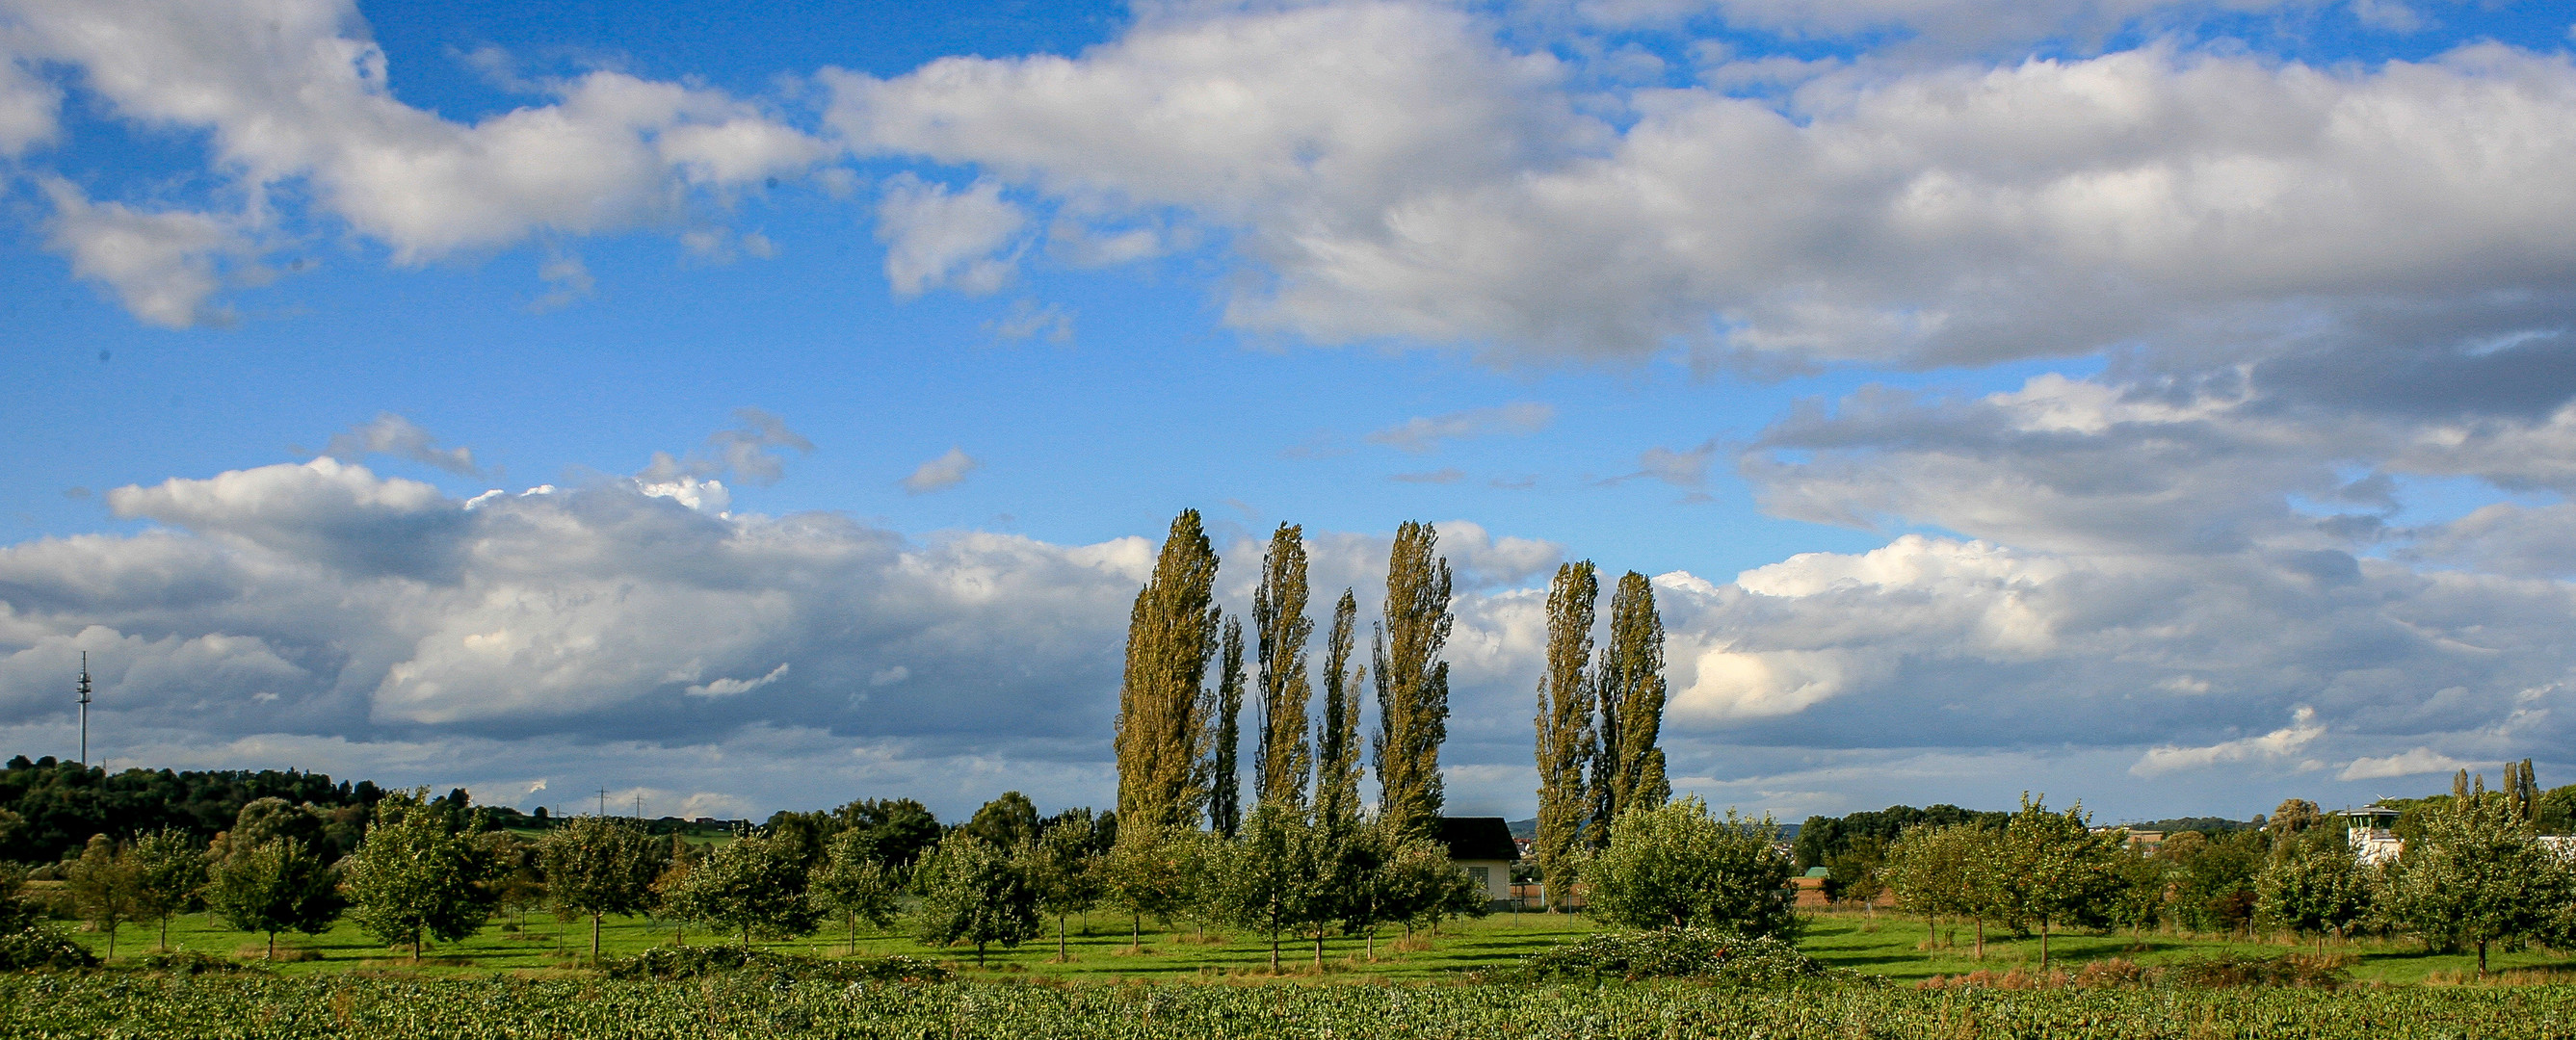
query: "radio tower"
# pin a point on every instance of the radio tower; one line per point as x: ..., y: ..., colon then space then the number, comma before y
x: 84, y: 703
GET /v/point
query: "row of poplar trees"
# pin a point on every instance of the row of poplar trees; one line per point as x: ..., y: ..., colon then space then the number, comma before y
x: 1598, y: 721
x: 1178, y: 739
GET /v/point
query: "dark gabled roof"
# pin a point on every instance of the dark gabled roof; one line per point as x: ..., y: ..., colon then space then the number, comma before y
x: 1478, y: 837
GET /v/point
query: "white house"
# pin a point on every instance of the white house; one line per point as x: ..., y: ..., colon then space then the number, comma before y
x: 1482, y: 846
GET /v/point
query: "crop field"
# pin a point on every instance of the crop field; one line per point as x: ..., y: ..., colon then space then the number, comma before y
x: 526, y: 982
x: 257, y: 1008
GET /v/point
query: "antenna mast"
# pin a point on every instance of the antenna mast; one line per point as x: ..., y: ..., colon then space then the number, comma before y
x: 84, y: 707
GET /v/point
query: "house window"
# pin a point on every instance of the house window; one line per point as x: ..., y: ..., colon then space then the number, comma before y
x: 1482, y: 876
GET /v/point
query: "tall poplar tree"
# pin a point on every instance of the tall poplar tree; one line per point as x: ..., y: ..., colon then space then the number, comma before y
x: 1171, y: 634
x: 1281, y: 628
x: 1225, y: 737
x: 1629, y: 772
x: 1565, y: 737
x: 1337, y: 737
x: 1412, y: 681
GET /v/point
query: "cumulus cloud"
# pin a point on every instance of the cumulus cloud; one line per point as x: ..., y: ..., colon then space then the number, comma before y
x: 1442, y: 187
x: 295, y: 91
x: 2278, y: 744
x: 1424, y: 433
x: 2412, y: 763
x: 946, y: 471
x: 321, y: 610
x: 162, y: 265
x: 27, y: 109
x: 390, y: 434
x: 937, y: 237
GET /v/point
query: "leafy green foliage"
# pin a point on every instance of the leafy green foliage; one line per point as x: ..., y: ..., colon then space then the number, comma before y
x: 420, y: 874
x: 169, y: 875
x: 2478, y: 877
x: 750, y: 886
x: 852, y: 884
x: 2237, y: 969
x: 597, y: 865
x: 60, y: 804
x: 1280, y: 630
x: 275, y: 886
x: 1673, y: 953
x: 1629, y: 684
x: 2050, y: 869
x: 974, y: 892
x: 1675, y: 865
x: 1065, y: 867
x: 2314, y: 886
x: 262, y: 1007
x: 1162, y: 726
x: 27, y: 940
x: 1412, y: 680
x: 1567, y: 743
x: 103, y: 883
x: 692, y: 962
x: 1821, y: 838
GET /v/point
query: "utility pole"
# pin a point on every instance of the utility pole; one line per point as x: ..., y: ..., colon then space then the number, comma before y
x: 84, y: 708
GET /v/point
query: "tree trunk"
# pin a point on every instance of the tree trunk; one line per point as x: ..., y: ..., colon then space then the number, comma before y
x: 1319, y: 952
x: 415, y: 945
x: 1060, y: 955
x: 111, y: 940
x: 979, y: 953
x: 272, y: 946
x: 746, y: 938
x: 165, y: 931
x: 1372, y: 944
x: 1274, y: 953
x: 854, y: 936
x: 2043, y: 946
x: 2482, y: 958
x: 1981, y: 938
x: 594, y: 939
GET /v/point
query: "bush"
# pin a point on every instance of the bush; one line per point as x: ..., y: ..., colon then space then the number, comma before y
x: 38, y: 944
x: 2232, y: 969
x: 1673, y: 953
x: 1675, y: 865
x: 689, y: 962
x: 192, y: 962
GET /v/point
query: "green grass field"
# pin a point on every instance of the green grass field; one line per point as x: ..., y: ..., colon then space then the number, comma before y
x: 1889, y: 945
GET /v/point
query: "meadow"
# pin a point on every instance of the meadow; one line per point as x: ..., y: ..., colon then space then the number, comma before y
x: 1888, y: 945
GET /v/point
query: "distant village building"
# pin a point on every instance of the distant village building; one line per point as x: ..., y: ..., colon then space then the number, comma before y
x: 1483, y: 847
x: 1810, y: 888
x: 2371, y: 830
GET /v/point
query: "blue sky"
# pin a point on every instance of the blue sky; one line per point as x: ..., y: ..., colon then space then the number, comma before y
x: 2158, y: 404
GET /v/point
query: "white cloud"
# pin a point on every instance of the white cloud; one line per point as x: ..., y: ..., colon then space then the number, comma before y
x: 390, y: 434
x: 1422, y: 434
x: 163, y: 266
x: 2412, y: 763
x: 2277, y: 745
x: 294, y: 91
x: 946, y: 471
x: 27, y: 109
x: 1442, y: 187
x: 935, y: 237
x: 732, y: 687
x: 320, y: 615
